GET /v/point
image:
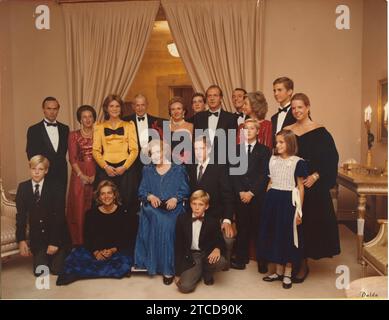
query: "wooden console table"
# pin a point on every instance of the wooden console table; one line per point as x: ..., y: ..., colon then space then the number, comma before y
x: 363, y: 185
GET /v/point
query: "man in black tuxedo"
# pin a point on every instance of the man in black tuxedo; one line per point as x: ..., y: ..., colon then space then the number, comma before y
x: 283, y: 91
x: 213, y: 179
x: 199, y: 245
x: 249, y: 189
x: 49, y: 138
x: 40, y: 204
x: 238, y: 96
x: 216, y: 119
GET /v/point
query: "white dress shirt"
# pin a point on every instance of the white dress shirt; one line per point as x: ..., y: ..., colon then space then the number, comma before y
x: 281, y: 118
x: 252, y: 146
x: 240, y: 119
x: 53, y: 134
x: 196, y: 228
x: 212, y: 123
x: 143, y: 131
x: 40, y: 186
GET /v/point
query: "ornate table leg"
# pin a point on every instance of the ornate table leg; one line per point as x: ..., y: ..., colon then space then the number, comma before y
x: 361, y: 223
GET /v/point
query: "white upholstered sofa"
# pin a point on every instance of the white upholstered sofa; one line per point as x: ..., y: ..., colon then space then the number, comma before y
x: 9, y: 246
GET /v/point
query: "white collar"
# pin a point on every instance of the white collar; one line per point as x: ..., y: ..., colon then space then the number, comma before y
x: 40, y: 183
x: 48, y: 121
x: 204, y: 164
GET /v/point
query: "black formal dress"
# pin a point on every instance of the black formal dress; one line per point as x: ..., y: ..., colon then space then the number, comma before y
x: 45, y: 216
x: 248, y: 215
x: 38, y: 142
x: 320, y: 228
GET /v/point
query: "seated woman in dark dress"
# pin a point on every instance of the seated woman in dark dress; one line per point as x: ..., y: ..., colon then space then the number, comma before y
x: 107, y: 239
x: 317, y: 147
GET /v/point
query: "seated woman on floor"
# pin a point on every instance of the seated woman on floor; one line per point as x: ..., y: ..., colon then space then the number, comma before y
x: 107, y: 240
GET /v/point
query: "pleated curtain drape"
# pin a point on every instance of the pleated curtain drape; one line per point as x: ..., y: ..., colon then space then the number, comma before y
x: 219, y: 42
x: 105, y: 43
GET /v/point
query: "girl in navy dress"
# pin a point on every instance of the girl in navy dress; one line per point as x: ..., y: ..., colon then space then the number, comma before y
x: 279, y: 239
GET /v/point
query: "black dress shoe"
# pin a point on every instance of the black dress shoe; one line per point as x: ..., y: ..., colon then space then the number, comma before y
x: 209, y: 281
x: 287, y: 285
x: 301, y: 280
x: 273, y: 277
x: 237, y: 265
x: 168, y: 280
x: 262, y: 267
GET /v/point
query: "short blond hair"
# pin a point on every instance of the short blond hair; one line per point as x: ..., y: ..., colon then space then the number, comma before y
x: 200, y: 195
x: 38, y: 159
x: 253, y: 121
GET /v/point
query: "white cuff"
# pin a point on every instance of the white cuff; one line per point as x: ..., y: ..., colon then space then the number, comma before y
x: 227, y: 221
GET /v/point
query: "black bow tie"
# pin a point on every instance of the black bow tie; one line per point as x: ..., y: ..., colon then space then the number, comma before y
x: 198, y: 218
x: 284, y: 109
x: 119, y: 131
x: 216, y: 114
x: 141, y: 118
x: 50, y: 124
x: 240, y: 114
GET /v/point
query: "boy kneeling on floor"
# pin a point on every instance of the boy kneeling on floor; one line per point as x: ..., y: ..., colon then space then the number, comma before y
x: 199, y: 245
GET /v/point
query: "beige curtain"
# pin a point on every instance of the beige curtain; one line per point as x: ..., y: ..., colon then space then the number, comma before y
x: 219, y: 42
x: 105, y: 43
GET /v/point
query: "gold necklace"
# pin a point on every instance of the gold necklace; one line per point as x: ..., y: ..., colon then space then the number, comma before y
x: 86, y: 135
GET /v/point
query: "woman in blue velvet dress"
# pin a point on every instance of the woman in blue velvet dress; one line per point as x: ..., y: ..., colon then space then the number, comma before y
x: 105, y: 253
x: 163, y: 188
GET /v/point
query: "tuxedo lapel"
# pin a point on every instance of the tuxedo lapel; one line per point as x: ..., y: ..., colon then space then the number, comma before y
x: 189, y: 229
x: 221, y: 124
x: 62, y: 138
x: 46, y: 138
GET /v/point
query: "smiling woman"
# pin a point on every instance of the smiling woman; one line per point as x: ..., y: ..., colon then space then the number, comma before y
x: 107, y: 240
x: 115, y: 148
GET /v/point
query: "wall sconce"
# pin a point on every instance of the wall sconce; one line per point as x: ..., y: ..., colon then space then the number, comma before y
x: 173, y: 49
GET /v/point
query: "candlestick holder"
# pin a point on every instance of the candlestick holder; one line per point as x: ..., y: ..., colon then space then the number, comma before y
x: 370, y: 140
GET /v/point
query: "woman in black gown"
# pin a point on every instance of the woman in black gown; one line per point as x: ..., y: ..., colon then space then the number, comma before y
x: 317, y: 147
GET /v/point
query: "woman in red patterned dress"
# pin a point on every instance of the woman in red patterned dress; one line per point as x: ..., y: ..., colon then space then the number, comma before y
x: 83, y: 173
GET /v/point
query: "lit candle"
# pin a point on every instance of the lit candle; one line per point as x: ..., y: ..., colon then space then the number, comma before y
x: 386, y: 112
x: 368, y: 112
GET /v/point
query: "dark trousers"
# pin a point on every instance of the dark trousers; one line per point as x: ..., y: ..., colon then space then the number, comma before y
x: 202, y: 268
x: 54, y: 262
x: 247, y: 225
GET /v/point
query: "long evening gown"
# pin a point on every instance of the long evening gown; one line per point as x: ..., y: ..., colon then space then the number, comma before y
x: 102, y: 231
x: 80, y: 195
x: 320, y: 228
x: 154, y: 248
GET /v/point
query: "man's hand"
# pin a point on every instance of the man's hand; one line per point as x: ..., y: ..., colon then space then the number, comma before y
x: 246, y: 197
x: 214, y: 256
x: 23, y: 248
x: 299, y: 220
x: 51, y: 250
x: 309, y: 181
x: 227, y: 229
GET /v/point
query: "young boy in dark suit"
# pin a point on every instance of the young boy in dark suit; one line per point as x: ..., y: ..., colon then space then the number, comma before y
x: 249, y: 189
x: 40, y: 204
x: 199, y: 246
